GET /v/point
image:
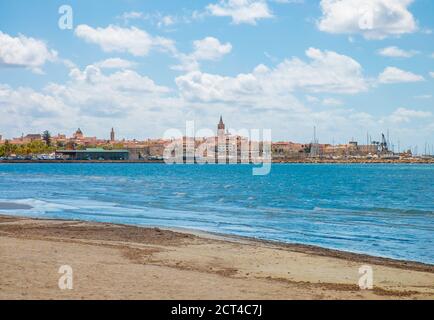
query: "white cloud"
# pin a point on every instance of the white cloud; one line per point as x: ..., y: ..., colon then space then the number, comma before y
x: 374, y: 19
x: 126, y: 81
x: 406, y: 115
x: 131, y: 15
x: 128, y: 99
x: 253, y: 100
x: 156, y: 18
x: 396, y: 52
x: 25, y: 102
x: 117, y: 39
x: 209, y: 48
x: 166, y: 21
x: 211, y: 87
x: 289, y: 1
x: 312, y: 99
x: 332, y: 102
x: 431, y: 74
x: 125, y: 92
x: 424, y: 96
x: 24, y: 52
x: 326, y: 72
x: 115, y: 63
x: 186, y: 63
x: 395, y: 75
x: 95, y: 99
x: 241, y: 11
x: 329, y: 102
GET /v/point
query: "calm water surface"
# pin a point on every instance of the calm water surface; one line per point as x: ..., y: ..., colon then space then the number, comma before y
x: 384, y: 210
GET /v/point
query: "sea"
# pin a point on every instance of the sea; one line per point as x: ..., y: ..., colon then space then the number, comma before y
x: 384, y: 210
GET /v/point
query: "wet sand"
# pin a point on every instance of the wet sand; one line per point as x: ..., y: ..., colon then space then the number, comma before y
x: 126, y: 262
x: 14, y: 206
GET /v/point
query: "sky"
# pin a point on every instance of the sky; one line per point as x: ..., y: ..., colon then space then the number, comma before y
x: 352, y: 68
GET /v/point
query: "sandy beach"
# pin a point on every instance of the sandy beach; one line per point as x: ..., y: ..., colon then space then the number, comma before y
x: 126, y: 262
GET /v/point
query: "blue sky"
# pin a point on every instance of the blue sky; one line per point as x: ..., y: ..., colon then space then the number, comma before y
x: 347, y: 67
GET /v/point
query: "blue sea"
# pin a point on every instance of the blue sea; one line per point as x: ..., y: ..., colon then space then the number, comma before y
x: 383, y: 209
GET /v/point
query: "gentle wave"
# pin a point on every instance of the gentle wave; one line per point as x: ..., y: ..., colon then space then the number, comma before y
x: 346, y: 207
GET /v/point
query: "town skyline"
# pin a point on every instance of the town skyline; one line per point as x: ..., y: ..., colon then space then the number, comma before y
x: 285, y: 148
x: 143, y: 67
x: 112, y: 136
x: 393, y: 144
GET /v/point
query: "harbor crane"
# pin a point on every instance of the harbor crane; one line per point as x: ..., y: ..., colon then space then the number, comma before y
x: 383, y: 145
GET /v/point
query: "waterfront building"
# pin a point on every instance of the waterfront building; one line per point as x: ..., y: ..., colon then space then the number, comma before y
x: 78, y: 135
x: 80, y: 139
x: 60, y: 139
x: 290, y: 150
x: 93, y: 154
x: 352, y: 149
x: 32, y: 137
x: 26, y: 139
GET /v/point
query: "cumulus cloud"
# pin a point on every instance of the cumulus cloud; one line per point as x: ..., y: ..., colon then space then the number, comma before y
x: 26, y: 102
x: 289, y: 1
x: 395, y: 75
x: 207, y: 49
x: 24, y: 52
x: 241, y: 11
x: 117, y: 39
x: 166, y: 21
x: 406, y: 115
x: 122, y: 90
x: 332, y: 102
x: 139, y: 108
x: 374, y: 19
x: 431, y: 74
x: 115, y: 63
x: 211, y: 87
x: 396, y: 52
x: 128, y: 98
x: 210, y: 48
x: 327, y: 71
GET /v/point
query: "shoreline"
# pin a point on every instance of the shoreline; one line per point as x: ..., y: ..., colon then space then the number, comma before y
x: 274, y: 161
x: 188, y: 264
x: 296, y: 247
x: 307, y: 248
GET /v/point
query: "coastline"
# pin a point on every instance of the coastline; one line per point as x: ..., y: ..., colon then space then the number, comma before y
x: 274, y: 161
x: 130, y: 262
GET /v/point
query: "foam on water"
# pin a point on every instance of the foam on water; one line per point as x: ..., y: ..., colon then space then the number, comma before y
x: 36, y: 206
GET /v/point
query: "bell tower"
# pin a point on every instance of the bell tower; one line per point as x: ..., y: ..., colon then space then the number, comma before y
x: 221, y: 127
x: 112, y: 135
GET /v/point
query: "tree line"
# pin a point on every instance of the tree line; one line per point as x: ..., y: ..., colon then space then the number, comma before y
x: 45, y: 146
